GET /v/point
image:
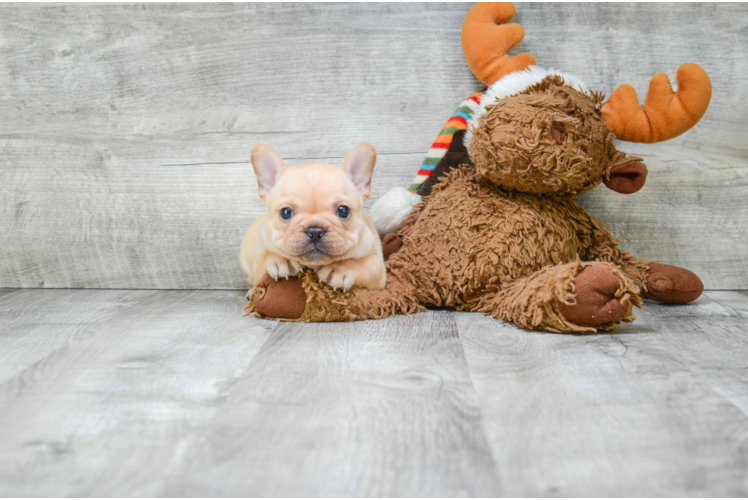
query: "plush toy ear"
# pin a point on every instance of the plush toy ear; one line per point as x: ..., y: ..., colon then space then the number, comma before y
x: 359, y: 166
x: 268, y: 167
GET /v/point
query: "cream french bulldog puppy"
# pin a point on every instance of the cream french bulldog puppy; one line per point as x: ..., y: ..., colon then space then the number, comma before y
x: 315, y: 220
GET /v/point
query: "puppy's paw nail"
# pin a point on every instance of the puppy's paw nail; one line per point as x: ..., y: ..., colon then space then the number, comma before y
x: 273, y: 271
x: 347, y: 283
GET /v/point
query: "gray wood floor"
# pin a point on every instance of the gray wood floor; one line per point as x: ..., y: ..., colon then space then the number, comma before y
x: 132, y: 393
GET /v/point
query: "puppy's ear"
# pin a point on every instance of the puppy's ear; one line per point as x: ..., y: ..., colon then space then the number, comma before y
x: 359, y: 165
x: 268, y: 168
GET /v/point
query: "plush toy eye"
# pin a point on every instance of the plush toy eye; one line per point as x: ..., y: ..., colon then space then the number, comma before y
x: 344, y: 212
x: 286, y: 213
x: 558, y: 134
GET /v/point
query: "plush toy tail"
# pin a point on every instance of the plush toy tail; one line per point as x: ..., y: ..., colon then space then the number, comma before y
x: 391, y: 210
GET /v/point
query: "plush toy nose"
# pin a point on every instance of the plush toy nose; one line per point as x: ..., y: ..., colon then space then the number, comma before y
x: 315, y: 233
x: 626, y: 177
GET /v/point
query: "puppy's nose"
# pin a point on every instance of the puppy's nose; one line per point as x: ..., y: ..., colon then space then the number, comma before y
x: 315, y: 233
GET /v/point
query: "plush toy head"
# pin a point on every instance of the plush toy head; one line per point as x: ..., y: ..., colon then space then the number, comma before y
x: 553, y: 137
x: 541, y: 131
x: 550, y: 139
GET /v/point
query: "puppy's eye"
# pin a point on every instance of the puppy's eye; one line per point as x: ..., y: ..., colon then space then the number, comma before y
x: 344, y: 212
x: 286, y: 213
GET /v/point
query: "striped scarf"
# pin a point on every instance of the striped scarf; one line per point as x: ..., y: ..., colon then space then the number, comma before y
x: 458, y: 121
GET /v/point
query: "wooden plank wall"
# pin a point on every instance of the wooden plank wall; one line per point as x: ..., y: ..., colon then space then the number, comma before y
x: 125, y: 130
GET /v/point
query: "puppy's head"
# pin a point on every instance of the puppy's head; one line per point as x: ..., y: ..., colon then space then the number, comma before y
x: 315, y: 210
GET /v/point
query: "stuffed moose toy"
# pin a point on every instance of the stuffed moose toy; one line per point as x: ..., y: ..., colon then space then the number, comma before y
x: 492, y: 225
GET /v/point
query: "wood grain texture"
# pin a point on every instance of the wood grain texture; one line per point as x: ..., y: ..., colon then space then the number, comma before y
x: 380, y: 408
x: 125, y: 129
x: 161, y: 393
x: 736, y: 302
x: 99, y: 387
x: 659, y: 408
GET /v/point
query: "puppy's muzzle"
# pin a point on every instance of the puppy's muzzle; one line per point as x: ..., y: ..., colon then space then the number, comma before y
x: 315, y: 233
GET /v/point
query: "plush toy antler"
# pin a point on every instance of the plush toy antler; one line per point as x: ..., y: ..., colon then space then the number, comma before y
x: 486, y: 40
x: 487, y: 37
x: 665, y: 114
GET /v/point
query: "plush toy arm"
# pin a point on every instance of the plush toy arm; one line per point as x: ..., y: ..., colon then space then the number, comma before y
x: 305, y: 299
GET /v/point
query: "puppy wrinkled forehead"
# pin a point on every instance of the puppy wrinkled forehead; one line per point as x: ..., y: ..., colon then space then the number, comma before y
x: 317, y: 180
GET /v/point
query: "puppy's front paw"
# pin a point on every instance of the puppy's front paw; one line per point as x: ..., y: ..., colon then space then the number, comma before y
x: 280, y: 268
x: 338, y: 277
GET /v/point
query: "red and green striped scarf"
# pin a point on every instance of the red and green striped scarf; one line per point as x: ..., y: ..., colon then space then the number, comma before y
x: 458, y: 121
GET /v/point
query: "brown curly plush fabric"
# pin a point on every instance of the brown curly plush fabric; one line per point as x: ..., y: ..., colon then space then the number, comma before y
x: 476, y: 247
x: 516, y: 144
x: 505, y: 237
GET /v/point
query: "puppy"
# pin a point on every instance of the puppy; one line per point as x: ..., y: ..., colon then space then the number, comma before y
x: 316, y: 221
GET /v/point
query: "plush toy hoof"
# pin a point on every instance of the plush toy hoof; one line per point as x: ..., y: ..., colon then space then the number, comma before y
x: 283, y: 299
x: 596, y: 304
x: 672, y: 285
x: 391, y: 244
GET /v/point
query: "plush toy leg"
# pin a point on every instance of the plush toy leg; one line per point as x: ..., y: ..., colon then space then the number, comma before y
x: 306, y: 299
x: 578, y: 297
x: 661, y: 282
x: 671, y: 284
x: 604, y: 249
